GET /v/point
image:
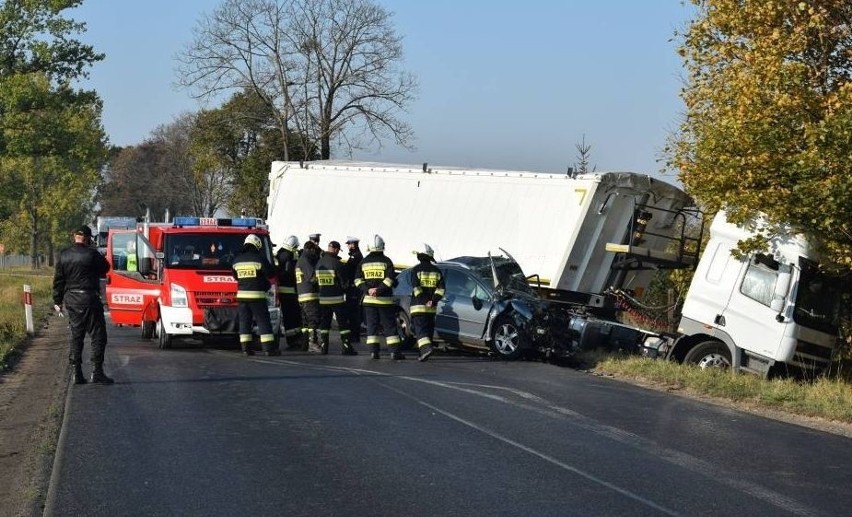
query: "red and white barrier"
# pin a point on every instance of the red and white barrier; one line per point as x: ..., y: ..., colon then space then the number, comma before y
x: 28, y: 308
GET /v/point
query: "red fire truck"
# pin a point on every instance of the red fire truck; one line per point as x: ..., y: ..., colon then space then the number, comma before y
x: 174, y: 279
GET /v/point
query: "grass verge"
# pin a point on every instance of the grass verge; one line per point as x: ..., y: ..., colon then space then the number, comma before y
x: 825, y: 397
x: 13, y: 328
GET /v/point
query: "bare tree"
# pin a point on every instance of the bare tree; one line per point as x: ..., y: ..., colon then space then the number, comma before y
x: 327, y: 68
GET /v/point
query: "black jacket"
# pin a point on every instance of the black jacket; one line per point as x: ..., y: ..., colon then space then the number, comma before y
x: 252, y: 271
x: 331, y: 279
x: 76, y: 279
x: 286, y: 271
x: 306, y: 280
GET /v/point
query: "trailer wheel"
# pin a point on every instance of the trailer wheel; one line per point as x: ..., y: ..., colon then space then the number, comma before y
x: 709, y: 354
x: 164, y: 340
x: 506, y: 338
x: 148, y: 329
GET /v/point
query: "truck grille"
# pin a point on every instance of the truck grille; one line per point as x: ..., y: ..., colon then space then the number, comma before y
x: 813, y: 351
x: 207, y: 299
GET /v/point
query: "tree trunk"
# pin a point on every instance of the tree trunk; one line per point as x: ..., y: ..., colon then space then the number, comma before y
x: 34, y: 240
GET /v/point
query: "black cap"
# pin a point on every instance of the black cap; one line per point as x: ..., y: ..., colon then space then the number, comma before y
x: 84, y: 231
x: 334, y: 244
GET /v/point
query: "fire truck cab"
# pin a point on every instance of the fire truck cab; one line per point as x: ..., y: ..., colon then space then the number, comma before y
x: 174, y: 279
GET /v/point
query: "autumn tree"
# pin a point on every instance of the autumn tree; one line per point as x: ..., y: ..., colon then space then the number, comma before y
x: 51, y: 140
x: 768, y: 122
x: 327, y: 69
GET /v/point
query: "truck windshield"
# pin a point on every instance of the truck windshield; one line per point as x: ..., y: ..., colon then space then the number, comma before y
x: 817, y: 300
x: 206, y: 250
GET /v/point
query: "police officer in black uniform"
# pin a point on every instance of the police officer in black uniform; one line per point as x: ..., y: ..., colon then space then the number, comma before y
x: 353, y: 294
x: 252, y: 272
x: 76, y: 284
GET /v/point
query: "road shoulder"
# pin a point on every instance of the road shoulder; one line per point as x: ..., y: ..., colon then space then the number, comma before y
x: 32, y: 400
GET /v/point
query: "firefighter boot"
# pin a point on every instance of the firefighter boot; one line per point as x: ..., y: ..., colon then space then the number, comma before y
x: 348, y: 349
x: 294, y: 342
x: 375, y: 352
x: 99, y: 377
x: 79, y: 378
x: 247, y: 348
x: 313, y: 343
x: 396, y: 355
x: 324, y: 337
x: 425, y: 352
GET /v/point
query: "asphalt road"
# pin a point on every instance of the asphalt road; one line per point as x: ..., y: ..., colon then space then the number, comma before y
x: 206, y: 431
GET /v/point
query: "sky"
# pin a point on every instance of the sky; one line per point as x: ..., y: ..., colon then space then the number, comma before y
x: 502, y: 84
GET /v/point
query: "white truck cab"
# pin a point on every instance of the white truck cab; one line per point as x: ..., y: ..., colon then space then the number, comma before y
x: 773, y: 309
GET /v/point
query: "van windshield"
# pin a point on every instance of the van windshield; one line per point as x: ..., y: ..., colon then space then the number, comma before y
x: 206, y: 250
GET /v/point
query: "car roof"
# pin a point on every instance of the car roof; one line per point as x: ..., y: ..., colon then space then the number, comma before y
x: 469, y: 262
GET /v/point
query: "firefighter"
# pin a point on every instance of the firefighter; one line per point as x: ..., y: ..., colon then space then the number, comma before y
x: 375, y: 277
x: 427, y: 284
x: 353, y: 294
x: 76, y: 283
x: 287, y: 298
x: 252, y: 272
x: 333, y: 281
x: 308, y: 291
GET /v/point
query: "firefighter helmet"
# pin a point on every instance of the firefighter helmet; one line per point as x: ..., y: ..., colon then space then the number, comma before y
x: 378, y: 244
x: 291, y: 243
x: 254, y: 240
x: 427, y: 250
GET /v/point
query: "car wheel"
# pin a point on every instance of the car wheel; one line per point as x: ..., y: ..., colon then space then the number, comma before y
x: 164, y: 340
x: 403, y: 327
x: 506, y: 339
x: 709, y: 354
x: 148, y: 329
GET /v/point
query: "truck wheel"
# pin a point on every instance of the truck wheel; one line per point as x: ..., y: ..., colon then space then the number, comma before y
x: 148, y: 329
x: 506, y: 338
x: 709, y: 354
x: 164, y: 340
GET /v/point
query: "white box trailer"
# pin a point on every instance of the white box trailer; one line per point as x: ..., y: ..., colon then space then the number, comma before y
x: 557, y: 226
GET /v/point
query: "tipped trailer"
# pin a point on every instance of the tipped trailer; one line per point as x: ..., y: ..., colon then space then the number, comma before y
x: 581, y: 238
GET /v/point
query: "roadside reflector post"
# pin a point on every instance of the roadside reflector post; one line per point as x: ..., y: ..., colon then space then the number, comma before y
x: 28, y: 308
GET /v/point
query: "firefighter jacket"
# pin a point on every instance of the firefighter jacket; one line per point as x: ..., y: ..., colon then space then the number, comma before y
x: 306, y: 280
x: 252, y: 271
x: 376, y: 270
x: 331, y: 279
x: 76, y: 279
x: 286, y: 271
x: 427, y: 284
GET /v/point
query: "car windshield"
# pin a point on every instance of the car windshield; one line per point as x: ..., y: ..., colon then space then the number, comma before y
x: 206, y: 250
x: 509, y: 275
x: 817, y: 300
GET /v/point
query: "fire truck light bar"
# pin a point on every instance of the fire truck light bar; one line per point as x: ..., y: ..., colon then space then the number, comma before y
x: 245, y: 222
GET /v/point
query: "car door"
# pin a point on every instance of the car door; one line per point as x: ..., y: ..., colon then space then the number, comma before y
x: 461, y: 313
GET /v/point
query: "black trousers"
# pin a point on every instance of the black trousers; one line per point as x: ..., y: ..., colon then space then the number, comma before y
x: 381, y: 320
x: 423, y: 326
x: 291, y: 314
x: 353, y: 312
x: 310, y: 315
x: 338, y: 311
x: 256, y: 311
x: 87, y: 319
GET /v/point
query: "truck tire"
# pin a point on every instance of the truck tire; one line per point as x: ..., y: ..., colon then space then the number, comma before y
x: 506, y: 339
x: 709, y: 354
x: 164, y: 341
x: 148, y: 329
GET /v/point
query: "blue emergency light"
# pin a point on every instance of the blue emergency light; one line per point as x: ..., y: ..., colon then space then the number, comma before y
x: 244, y: 222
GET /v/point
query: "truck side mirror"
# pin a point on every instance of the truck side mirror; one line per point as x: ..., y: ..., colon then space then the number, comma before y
x: 782, y: 288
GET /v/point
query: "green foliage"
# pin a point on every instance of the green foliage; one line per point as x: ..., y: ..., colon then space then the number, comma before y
x: 768, y: 125
x: 13, y: 328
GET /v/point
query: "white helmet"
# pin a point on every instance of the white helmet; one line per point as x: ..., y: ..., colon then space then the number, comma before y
x: 291, y: 243
x: 254, y: 240
x: 427, y: 250
x: 378, y: 244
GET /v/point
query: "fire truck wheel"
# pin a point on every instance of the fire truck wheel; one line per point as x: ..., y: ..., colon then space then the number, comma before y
x: 164, y: 340
x: 148, y: 329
